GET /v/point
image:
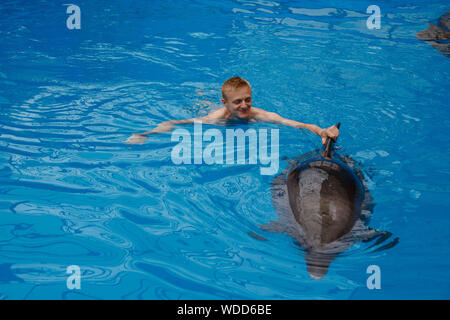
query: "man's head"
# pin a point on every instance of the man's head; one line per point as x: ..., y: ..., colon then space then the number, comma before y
x: 237, y: 97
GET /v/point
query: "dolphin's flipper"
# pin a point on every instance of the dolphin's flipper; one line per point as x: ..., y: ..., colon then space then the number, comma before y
x: 370, y: 234
x: 391, y: 244
x: 383, y: 236
x: 256, y: 236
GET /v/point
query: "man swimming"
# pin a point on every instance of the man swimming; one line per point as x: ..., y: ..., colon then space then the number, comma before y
x: 237, y: 101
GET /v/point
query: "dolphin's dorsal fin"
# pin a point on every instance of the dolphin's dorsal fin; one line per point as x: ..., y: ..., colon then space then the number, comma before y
x: 329, y: 144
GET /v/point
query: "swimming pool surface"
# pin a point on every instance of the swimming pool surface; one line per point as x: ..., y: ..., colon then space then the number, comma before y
x: 141, y: 227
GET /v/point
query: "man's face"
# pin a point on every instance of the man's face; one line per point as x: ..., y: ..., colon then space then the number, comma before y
x: 238, y: 102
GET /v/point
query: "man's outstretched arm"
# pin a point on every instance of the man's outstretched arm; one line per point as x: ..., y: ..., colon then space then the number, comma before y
x: 166, y: 126
x: 331, y: 132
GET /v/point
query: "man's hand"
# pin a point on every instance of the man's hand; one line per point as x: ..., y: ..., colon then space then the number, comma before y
x: 332, y: 132
x: 136, y: 138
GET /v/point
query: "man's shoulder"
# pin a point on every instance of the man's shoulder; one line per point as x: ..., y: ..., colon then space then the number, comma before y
x: 218, y: 114
x: 258, y: 110
x: 261, y: 113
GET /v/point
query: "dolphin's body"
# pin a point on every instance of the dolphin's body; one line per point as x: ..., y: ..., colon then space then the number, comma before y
x: 436, y: 35
x: 323, y: 203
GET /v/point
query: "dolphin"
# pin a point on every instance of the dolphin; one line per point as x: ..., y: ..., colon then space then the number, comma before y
x: 323, y: 203
x: 436, y: 35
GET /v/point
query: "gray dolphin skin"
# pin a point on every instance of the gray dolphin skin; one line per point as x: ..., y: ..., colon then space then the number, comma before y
x: 436, y: 35
x: 324, y: 205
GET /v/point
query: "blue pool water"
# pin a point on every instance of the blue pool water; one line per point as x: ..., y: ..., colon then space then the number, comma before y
x: 141, y: 227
